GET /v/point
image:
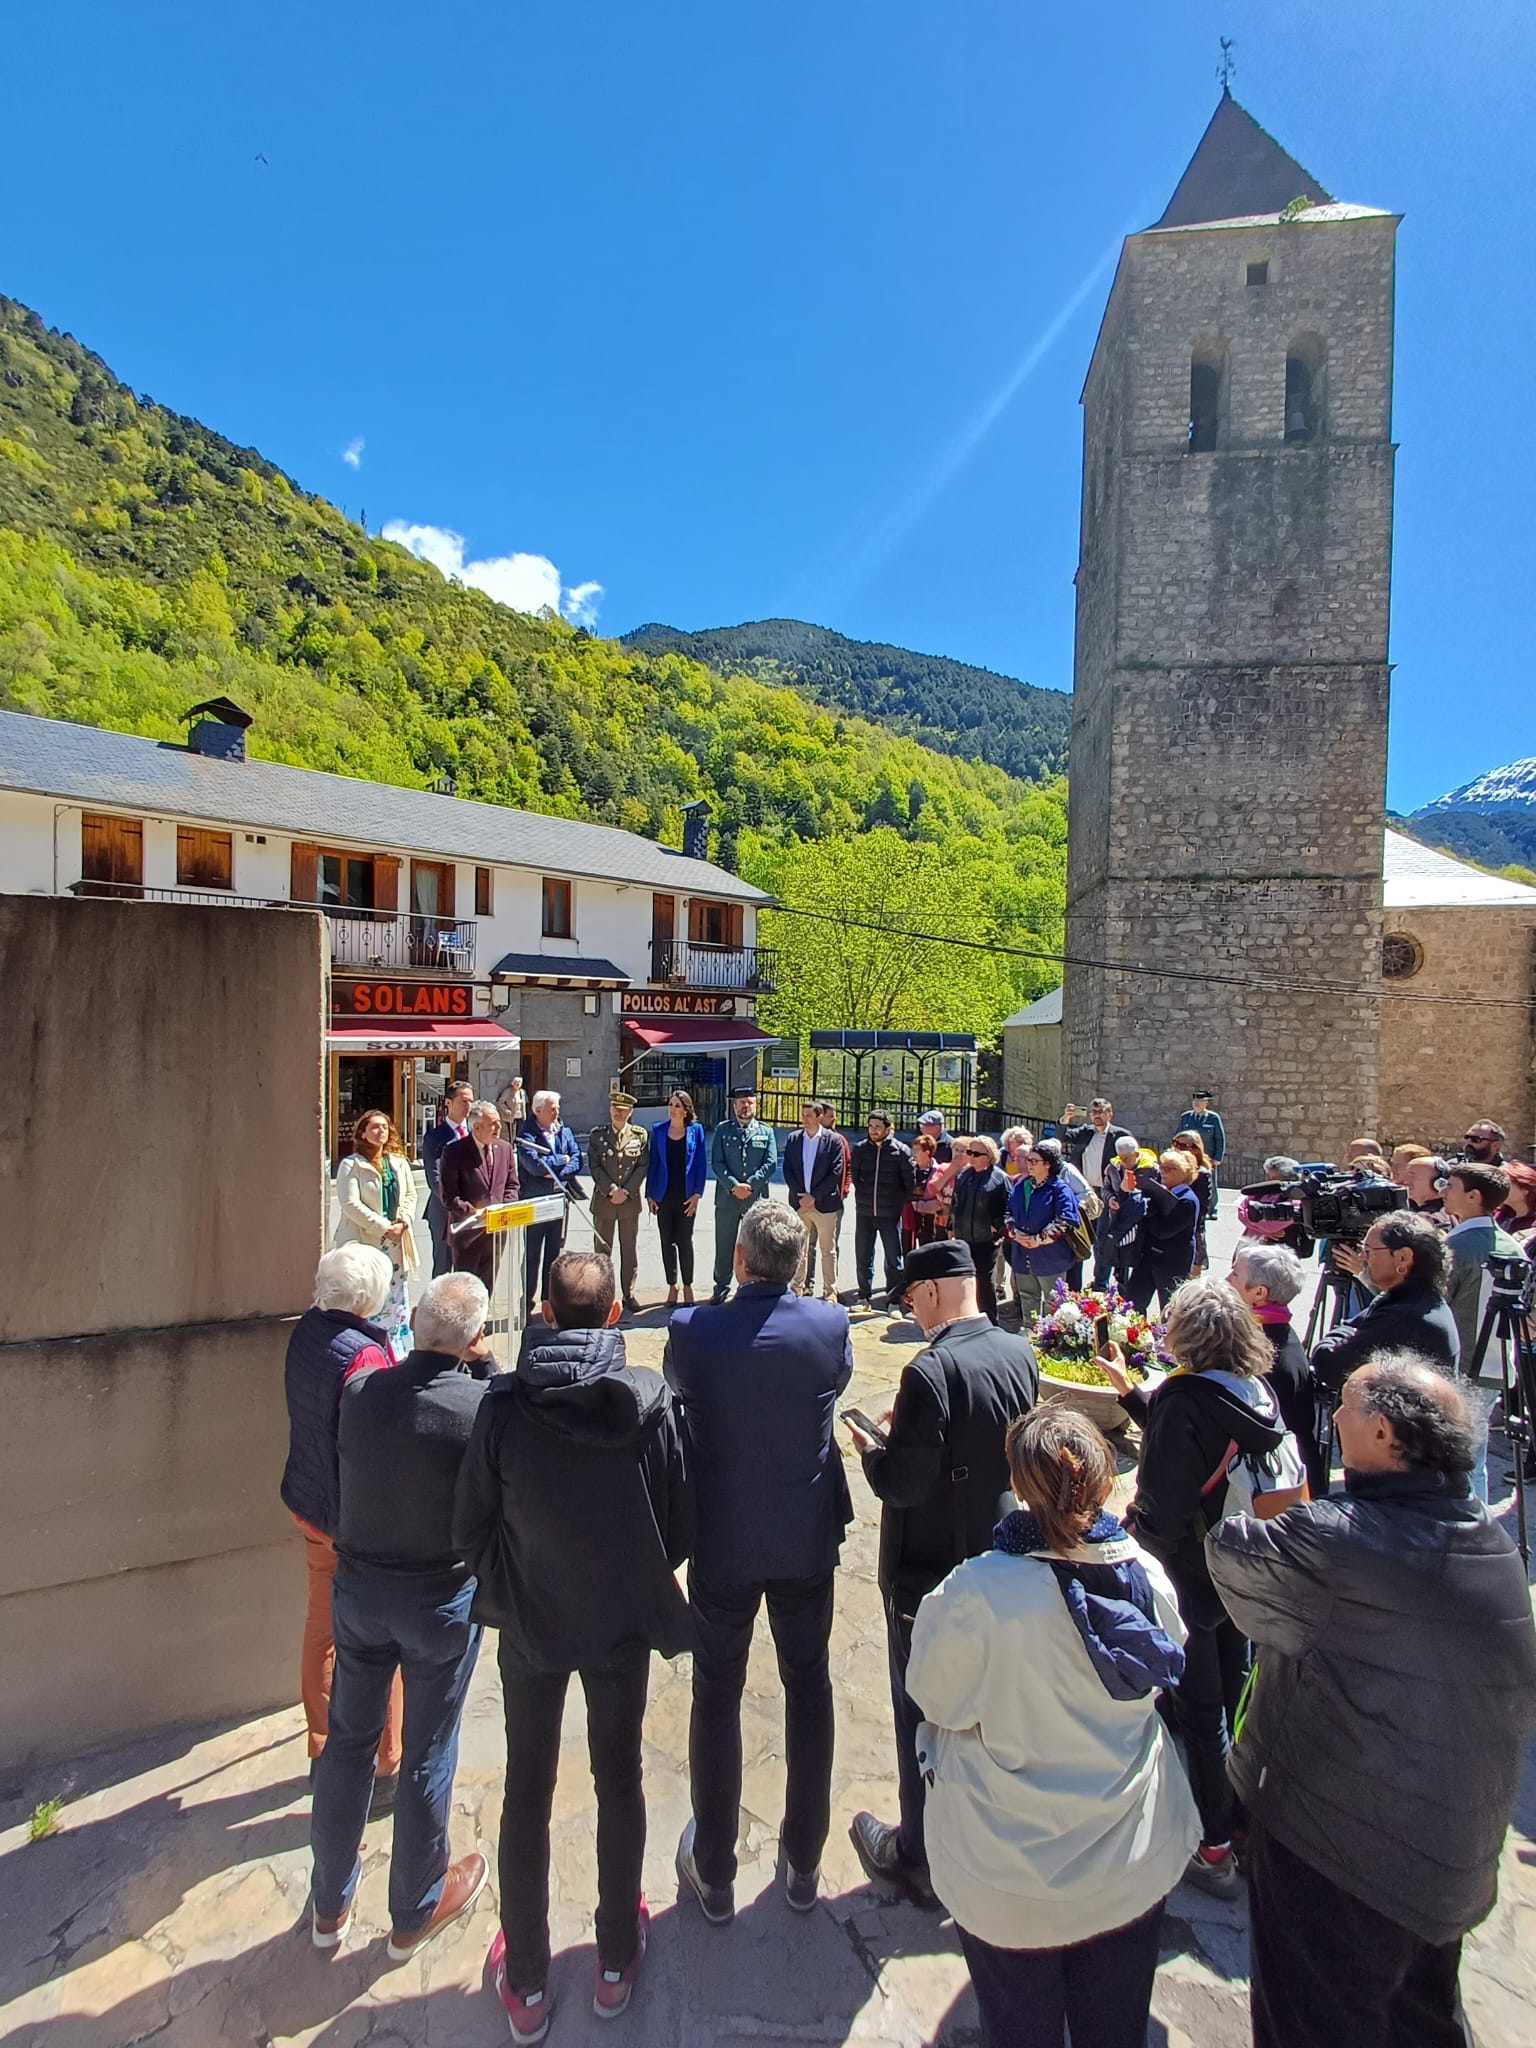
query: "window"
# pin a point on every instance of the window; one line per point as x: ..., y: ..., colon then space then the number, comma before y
x: 1304, y: 390
x: 204, y: 860
x: 1207, y: 397
x: 484, y: 895
x: 1400, y: 956
x: 1258, y: 273
x: 714, y: 924
x: 432, y: 888
x: 111, y: 855
x: 345, y: 881
x: 557, y: 909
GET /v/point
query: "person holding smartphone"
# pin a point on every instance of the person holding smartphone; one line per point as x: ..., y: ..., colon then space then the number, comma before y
x: 941, y: 1476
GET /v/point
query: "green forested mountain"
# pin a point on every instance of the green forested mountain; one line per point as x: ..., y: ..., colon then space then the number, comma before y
x: 146, y: 562
x: 947, y: 705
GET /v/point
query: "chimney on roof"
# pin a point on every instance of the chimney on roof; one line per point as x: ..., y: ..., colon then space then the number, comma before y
x: 696, y: 829
x: 220, y: 729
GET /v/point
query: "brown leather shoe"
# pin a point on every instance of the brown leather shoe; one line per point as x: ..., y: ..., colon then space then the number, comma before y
x: 461, y: 1887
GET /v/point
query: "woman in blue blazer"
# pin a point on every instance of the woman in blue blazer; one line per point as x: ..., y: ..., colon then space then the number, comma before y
x: 678, y: 1170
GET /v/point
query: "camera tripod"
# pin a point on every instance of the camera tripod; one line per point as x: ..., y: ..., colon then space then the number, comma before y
x: 1332, y: 1304
x: 1506, y: 1319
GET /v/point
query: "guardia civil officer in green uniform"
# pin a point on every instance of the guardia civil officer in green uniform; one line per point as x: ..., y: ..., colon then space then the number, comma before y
x: 618, y: 1154
x: 742, y: 1156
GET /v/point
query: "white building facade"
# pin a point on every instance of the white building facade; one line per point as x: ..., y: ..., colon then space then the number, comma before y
x: 465, y: 938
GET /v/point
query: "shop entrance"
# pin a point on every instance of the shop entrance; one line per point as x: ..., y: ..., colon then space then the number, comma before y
x: 366, y: 1081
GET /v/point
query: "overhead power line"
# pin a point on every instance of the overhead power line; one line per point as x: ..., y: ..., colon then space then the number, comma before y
x: 1260, y: 984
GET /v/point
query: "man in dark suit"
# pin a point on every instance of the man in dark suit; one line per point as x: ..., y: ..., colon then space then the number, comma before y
x: 475, y: 1172
x: 452, y: 1125
x: 757, y: 1382
x: 813, y: 1175
x: 941, y: 1476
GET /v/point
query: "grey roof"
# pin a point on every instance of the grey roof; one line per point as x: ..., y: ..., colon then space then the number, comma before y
x: 1415, y: 876
x: 1237, y: 170
x: 552, y: 967
x: 1045, y: 1009
x: 85, y: 764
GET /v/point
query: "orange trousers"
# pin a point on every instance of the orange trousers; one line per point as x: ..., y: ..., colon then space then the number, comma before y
x: 318, y: 1658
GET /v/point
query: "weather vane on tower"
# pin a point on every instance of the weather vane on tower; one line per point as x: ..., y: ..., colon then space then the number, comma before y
x: 1228, y: 64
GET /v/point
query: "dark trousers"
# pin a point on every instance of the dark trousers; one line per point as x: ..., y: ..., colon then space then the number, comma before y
x: 800, y: 1616
x: 984, y: 1252
x: 676, y: 1230
x: 1326, y: 1969
x: 865, y: 1230
x: 543, y: 1247
x: 434, y: 1643
x: 437, y: 1223
x: 907, y: 1714
x: 1103, y: 1247
x: 1150, y: 1276
x: 1100, y: 1991
x: 534, y: 1702
x: 1205, y: 1702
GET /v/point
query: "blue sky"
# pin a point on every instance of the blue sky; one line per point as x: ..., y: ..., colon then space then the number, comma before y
x: 703, y: 312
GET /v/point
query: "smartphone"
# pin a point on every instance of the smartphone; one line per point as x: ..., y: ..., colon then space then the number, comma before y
x: 1101, y: 1334
x: 862, y: 1421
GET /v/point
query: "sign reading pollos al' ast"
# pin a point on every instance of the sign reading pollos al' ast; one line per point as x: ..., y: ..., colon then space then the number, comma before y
x: 402, y: 999
x: 671, y: 1002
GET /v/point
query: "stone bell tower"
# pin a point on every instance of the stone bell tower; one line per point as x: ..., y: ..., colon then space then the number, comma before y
x: 1229, y: 725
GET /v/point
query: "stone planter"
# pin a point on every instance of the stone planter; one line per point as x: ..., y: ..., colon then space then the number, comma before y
x: 1101, y: 1405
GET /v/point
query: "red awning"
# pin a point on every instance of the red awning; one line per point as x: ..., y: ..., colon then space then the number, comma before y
x: 700, y: 1034
x: 423, y: 1034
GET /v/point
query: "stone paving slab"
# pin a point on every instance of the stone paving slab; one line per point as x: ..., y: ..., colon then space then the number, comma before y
x: 171, y: 1903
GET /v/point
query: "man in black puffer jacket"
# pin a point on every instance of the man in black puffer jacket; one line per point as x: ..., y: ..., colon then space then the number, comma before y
x: 1381, y: 1752
x: 573, y: 1507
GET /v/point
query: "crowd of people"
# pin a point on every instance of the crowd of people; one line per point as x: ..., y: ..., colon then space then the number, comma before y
x: 1298, y: 1658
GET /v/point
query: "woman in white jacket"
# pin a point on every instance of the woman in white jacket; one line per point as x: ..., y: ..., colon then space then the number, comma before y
x: 1058, y: 1817
x: 375, y: 1201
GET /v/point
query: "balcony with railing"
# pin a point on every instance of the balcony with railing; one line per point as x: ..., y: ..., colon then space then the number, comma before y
x: 738, y: 970
x: 365, y: 939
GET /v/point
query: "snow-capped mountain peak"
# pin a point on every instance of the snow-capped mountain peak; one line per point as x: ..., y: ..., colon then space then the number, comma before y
x: 1513, y: 784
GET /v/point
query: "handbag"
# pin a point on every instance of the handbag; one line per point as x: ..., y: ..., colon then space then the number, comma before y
x: 1079, y: 1241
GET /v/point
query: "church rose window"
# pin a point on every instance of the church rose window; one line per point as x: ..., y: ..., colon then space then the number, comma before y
x: 1400, y: 956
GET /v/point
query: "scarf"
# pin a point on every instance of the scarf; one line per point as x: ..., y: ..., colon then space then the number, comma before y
x: 1273, y: 1312
x: 1109, y: 1601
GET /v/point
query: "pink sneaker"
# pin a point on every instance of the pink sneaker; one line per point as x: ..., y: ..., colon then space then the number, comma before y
x: 613, y: 1988
x: 528, y: 2012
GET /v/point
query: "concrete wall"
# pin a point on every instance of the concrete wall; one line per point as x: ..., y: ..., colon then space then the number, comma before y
x: 160, y: 1206
x: 1032, y: 1072
x: 1442, y: 1065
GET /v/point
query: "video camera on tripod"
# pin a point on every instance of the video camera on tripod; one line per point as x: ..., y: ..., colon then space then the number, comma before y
x: 1324, y: 1202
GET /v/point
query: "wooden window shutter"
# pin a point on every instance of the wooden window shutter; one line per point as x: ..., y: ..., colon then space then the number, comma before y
x: 446, y: 889
x: 111, y: 849
x: 303, y: 873
x: 663, y: 919
x: 386, y: 882
x: 696, y: 933
x: 733, y: 924
x: 204, y: 860
x: 484, y: 897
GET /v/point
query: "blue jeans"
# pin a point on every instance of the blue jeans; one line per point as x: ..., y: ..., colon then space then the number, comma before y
x: 434, y: 1642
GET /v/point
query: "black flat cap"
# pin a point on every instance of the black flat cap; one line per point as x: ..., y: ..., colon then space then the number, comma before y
x: 946, y: 1260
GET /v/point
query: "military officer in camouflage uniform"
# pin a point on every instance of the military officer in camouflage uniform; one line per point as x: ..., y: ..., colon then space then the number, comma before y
x: 618, y: 1154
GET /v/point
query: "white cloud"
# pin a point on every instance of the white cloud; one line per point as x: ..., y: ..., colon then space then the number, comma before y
x: 528, y: 583
x: 352, y: 454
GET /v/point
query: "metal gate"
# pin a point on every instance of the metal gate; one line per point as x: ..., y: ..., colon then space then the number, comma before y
x: 900, y: 1073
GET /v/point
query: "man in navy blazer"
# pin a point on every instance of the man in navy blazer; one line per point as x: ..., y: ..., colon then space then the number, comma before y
x: 757, y: 1381
x: 813, y: 1174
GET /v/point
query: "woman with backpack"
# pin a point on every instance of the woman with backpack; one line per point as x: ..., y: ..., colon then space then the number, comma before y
x: 1211, y: 1426
x: 1057, y: 1819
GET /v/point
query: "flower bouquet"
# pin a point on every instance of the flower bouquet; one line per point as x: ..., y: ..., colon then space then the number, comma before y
x: 1066, y: 1344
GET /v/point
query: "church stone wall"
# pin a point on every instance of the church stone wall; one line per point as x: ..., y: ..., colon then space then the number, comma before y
x: 1229, y: 724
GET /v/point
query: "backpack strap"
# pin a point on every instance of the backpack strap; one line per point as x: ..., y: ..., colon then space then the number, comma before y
x: 958, y: 1400
x: 1221, y: 1470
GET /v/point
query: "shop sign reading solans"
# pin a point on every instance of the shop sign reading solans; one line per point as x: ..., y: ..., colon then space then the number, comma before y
x: 402, y: 999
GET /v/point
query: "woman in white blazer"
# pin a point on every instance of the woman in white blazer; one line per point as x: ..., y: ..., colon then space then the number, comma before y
x: 375, y: 1202
x: 1058, y: 1817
